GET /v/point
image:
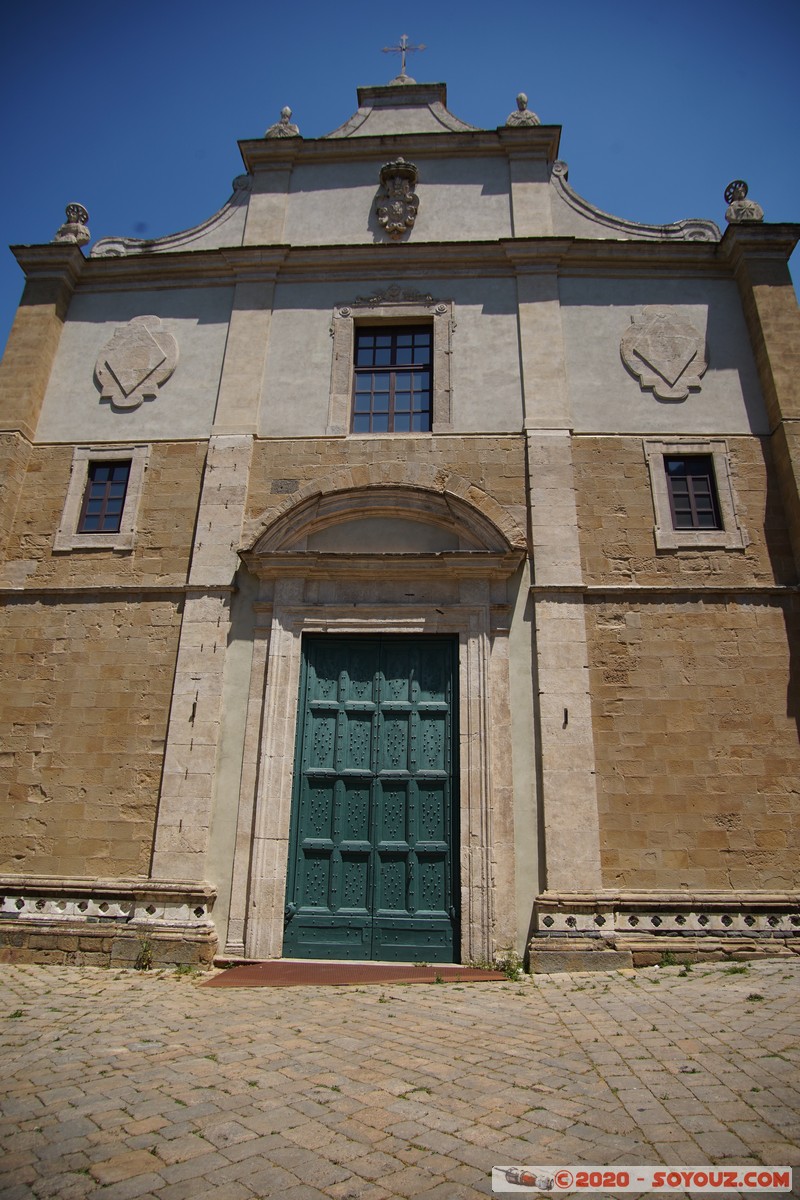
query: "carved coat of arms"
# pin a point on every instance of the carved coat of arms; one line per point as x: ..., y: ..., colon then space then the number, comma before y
x: 135, y: 362
x: 397, y: 207
x: 666, y: 354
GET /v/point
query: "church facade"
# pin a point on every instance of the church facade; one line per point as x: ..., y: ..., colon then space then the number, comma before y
x: 403, y: 565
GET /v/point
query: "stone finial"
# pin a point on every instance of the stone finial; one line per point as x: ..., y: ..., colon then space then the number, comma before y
x: 522, y: 115
x: 74, y: 231
x: 740, y: 209
x: 284, y: 127
x: 397, y: 207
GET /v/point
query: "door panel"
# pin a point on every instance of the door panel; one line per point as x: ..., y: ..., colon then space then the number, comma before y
x: 373, y: 839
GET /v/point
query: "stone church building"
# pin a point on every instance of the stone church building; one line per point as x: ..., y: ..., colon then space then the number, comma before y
x: 402, y: 565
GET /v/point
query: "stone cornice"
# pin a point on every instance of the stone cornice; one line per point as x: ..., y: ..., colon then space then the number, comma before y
x: 539, y: 141
x: 98, y: 885
x: 646, y: 591
x: 102, y: 591
x: 692, y: 896
x: 508, y: 256
x: 51, y: 261
x: 315, y: 565
x: 759, y: 240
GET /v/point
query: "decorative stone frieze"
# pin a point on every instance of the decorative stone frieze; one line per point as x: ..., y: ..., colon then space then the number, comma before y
x: 397, y: 208
x: 137, y: 361
x: 74, y: 231
x: 664, y: 353
x: 106, y: 921
x: 284, y: 127
x: 669, y: 915
x: 741, y: 210
x: 522, y: 115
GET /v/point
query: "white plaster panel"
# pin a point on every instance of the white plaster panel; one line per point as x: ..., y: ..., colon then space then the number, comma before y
x: 487, y: 389
x: 461, y: 199
x: 184, y: 406
x: 378, y: 534
x: 606, y: 398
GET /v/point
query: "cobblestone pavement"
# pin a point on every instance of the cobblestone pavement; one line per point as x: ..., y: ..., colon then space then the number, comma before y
x: 121, y: 1085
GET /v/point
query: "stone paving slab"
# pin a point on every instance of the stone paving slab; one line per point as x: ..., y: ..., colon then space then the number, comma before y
x: 120, y: 1085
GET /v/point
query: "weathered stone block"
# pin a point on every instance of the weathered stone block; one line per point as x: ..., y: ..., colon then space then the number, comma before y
x: 546, y: 962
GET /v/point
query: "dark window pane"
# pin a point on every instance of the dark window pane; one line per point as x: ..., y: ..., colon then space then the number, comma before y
x: 104, y: 498
x: 392, y: 379
x: 692, y: 492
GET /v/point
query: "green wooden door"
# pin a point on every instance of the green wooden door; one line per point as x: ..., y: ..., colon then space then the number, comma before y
x: 372, y: 848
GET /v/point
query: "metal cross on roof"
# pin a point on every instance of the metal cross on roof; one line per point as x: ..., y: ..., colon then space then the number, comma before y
x: 402, y: 49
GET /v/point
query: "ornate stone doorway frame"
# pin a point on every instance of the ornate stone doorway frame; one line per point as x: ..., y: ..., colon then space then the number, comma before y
x: 462, y: 592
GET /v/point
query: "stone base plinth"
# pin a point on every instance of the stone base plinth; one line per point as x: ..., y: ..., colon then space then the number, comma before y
x: 552, y: 958
x: 660, y: 928
x: 112, y: 922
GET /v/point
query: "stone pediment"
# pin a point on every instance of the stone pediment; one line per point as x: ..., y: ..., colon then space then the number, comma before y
x: 573, y: 215
x: 224, y: 228
x: 401, y: 107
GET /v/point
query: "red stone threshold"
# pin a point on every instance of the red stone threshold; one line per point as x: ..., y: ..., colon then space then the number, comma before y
x: 296, y: 972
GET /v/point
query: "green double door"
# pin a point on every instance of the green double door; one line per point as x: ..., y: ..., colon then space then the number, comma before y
x: 373, y: 861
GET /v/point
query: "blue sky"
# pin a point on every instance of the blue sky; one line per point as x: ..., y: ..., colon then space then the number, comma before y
x: 135, y: 109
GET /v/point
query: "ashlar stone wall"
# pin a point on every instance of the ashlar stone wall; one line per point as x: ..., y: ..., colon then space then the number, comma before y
x: 85, y: 686
x: 696, y: 708
x: 164, y: 526
x: 693, y: 678
x: 282, y: 466
x: 87, y: 658
x: 616, y: 519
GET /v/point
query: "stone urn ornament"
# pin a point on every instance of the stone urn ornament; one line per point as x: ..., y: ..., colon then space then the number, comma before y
x: 74, y: 231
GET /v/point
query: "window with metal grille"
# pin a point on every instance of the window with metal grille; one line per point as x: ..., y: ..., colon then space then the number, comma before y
x: 392, y: 385
x: 692, y: 492
x: 104, y: 498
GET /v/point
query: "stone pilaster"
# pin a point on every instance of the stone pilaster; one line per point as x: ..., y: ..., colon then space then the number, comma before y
x: 569, y: 794
x: 51, y: 273
x: 246, y: 349
x: 759, y: 255
x: 566, y: 745
x: 187, y: 798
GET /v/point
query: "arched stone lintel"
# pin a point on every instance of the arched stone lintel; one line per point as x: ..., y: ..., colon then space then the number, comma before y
x: 449, y: 501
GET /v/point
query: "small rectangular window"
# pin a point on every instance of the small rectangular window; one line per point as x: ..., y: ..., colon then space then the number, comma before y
x: 392, y: 386
x: 104, y: 498
x: 692, y: 492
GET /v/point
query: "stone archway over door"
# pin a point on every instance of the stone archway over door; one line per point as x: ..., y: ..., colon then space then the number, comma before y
x: 383, y: 562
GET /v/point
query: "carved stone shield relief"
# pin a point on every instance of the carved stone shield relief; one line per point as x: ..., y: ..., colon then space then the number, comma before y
x: 136, y: 362
x: 666, y: 354
x: 397, y: 207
